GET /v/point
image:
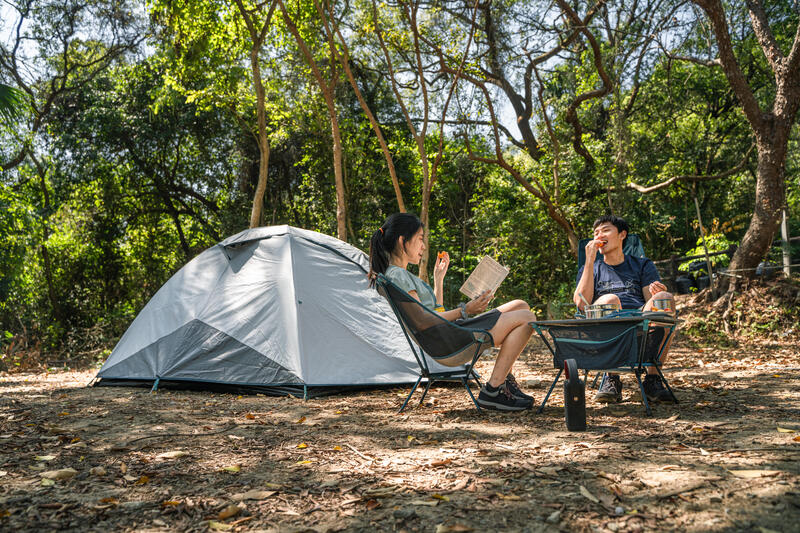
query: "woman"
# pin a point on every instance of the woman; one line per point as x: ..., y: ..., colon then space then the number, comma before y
x: 400, y: 242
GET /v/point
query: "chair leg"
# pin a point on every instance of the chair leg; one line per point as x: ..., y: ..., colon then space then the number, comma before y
x: 596, y: 377
x: 410, y: 394
x: 476, y: 377
x: 674, y: 398
x: 553, y: 386
x: 425, y: 392
x: 641, y: 391
x: 465, y: 381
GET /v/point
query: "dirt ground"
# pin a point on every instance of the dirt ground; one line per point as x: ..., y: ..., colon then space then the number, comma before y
x: 724, y: 459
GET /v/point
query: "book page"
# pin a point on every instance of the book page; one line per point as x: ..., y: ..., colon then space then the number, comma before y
x: 488, y: 275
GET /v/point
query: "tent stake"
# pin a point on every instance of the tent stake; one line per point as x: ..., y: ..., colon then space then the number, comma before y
x: 155, y: 385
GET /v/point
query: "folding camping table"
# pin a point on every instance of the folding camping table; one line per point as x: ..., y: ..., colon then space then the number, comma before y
x: 612, y: 343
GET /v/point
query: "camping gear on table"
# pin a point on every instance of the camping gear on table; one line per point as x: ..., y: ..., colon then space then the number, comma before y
x: 611, y: 344
x: 601, y: 310
x: 447, y: 343
x: 275, y: 310
x: 574, y: 397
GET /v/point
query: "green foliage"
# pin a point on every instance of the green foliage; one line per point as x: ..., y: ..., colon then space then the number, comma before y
x: 715, y: 242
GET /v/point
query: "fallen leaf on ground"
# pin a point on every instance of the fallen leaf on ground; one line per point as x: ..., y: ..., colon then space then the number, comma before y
x: 588, y: 495
x: 229, y: 511
x: 64, y: 473
x: 171, y: 455
x: 302, y: 445
x: 452, y: 528
x: 253, y: 495
x: 337, y: 448
x: 780, y: 430
x: 170, y: 503
x: 796, y: 439
x: 429, y: 503
x: 440, y: 497
x: 142, y: 480
x: 752, y: 474
x: 51, y: 457
x: 123, y: 468
x: 300, y: 420
x: 443, y: 462
x: 372, y: 504
x: 218, y: 526
x: 97, y: 471
x: 250, y: 416
x: 304, y: 462
x: 233, y: 469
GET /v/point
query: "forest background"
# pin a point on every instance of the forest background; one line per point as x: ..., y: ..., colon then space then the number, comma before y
x: 137, y: 134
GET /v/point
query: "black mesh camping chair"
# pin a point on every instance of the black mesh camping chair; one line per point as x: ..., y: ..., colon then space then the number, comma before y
x: 429, y: 334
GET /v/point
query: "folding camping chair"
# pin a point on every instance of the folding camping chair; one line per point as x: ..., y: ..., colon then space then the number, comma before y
x: 445, y: 342
x: 613, y: 343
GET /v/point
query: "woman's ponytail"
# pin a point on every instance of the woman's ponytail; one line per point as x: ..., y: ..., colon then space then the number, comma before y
x: 378, y: 256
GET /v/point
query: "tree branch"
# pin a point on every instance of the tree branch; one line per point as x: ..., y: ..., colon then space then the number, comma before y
x: 664, y: 184
x: 758, y: 18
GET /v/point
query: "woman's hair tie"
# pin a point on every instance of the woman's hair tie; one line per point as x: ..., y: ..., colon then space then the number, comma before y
x: 381, y: 230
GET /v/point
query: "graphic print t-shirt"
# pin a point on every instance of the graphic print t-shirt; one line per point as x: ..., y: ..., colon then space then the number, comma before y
x: 626, y: 280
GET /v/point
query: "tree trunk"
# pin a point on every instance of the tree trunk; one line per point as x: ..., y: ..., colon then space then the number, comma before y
x: 770, y: 199
x: 341, y: 207
x: 256, y: 218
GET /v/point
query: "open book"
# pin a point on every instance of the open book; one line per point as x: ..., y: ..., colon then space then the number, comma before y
x: 487, y: 276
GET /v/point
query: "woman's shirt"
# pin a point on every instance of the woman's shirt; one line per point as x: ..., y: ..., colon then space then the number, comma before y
x: 409, y: 282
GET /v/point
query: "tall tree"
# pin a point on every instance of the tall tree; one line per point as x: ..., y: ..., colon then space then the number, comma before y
x: 771, y: 122
x: 327, y: 87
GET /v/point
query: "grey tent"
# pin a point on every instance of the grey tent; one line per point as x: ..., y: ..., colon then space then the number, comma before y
x: 278, y: 309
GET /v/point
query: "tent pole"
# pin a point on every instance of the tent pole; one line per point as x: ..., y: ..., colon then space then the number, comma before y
x: 705, y: 247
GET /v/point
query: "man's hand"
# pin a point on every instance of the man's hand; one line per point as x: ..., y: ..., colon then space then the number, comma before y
x: 479, y: 304
x: 656, y: 287
x: 591, y: 250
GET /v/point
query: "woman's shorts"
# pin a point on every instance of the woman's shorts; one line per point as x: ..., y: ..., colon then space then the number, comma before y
x: 485, y: 320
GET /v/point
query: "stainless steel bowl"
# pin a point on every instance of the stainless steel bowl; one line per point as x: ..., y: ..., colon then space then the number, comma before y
x: 600, y: 310
x: 664, y: 305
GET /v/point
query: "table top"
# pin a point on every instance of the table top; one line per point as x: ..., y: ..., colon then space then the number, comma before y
x: 652, y: 316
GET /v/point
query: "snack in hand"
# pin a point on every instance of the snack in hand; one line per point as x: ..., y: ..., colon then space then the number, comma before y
x: 601, y: 244
x: 440, y: 255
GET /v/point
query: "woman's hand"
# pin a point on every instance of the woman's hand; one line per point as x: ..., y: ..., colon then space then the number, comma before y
x: 479, y: 304
x: 440, y: 268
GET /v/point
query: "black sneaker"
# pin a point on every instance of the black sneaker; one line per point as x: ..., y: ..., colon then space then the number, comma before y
x: 655, y: 390
x: 516, y: 392
x: 610, y: 390
x: 501, y: 399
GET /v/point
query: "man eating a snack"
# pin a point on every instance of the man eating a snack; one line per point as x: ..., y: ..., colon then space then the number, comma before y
x: 630, y: 282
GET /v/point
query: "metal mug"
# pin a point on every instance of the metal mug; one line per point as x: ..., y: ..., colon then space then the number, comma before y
x: 663, y: 305
x: 600, y: 310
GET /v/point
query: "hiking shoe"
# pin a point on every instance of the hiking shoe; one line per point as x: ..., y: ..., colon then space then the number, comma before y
x: 501, y: 399
x: 610, y: 390
x: 513, y: 387
x: 655, y: 390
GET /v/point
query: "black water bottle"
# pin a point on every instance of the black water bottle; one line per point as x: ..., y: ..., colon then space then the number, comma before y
x: 574, y: 397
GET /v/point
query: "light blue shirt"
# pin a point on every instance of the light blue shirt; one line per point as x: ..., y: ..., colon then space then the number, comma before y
x: 409, y: 282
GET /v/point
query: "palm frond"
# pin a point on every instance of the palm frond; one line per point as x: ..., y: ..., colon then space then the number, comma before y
x: 12, y: 103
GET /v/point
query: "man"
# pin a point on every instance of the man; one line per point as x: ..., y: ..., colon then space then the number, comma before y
x: 629, y: 281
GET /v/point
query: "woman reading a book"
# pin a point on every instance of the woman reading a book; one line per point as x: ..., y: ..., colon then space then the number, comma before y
x: 398, y: 242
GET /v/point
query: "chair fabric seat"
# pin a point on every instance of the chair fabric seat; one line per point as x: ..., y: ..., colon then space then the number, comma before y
x: 428, y: 333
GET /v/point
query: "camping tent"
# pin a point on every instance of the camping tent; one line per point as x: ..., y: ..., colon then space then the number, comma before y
x: 278, y: 309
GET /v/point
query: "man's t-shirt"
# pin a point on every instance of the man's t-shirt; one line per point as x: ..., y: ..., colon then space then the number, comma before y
x: 626, y: 280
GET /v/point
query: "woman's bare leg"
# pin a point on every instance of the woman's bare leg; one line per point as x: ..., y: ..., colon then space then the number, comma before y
x: 511, y: 333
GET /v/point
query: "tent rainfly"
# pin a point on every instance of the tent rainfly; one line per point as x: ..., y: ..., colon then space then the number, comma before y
x: 275, y: 309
